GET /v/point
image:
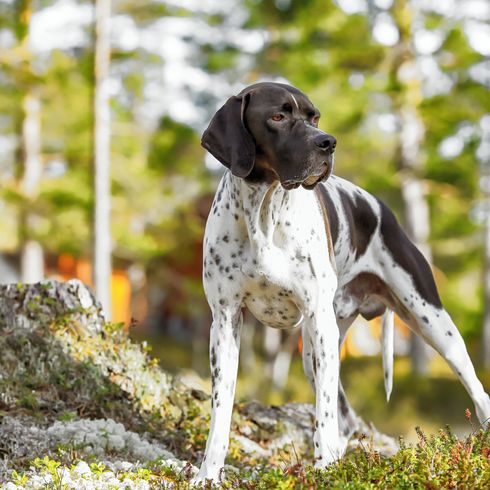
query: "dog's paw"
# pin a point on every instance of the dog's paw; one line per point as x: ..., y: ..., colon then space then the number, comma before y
x: 483, y: 411
x: 213, y: 476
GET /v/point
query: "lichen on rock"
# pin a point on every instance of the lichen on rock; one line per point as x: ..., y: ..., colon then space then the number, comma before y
x: 74, y: 387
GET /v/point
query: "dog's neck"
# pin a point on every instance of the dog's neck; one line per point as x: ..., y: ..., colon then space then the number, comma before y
x: 264, y: 206
x: 262, y: 203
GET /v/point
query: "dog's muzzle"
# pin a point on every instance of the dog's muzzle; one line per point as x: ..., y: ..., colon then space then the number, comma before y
x: 312, y: 180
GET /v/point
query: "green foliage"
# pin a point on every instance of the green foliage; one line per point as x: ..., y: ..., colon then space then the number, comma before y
x: 436, y: 461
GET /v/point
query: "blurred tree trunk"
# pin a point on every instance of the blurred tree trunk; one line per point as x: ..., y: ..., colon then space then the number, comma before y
x: 279, y: 348
x: 102, y: 246
x: 417, y: 219
x: 483, y: 154
x: 406, y: 100
x: 32, y: 257
x: 486, y: 285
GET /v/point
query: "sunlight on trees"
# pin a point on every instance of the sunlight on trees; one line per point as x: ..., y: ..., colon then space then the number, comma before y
x: 403, y: 85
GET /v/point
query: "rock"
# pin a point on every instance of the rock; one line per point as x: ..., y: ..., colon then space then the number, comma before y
x: 29, y: 306
x: 67, y: 377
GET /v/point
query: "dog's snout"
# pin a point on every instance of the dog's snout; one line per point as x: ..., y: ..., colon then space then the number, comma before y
x: 326, y: 142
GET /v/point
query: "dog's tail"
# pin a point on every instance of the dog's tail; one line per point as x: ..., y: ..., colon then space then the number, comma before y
x: 387, y: 343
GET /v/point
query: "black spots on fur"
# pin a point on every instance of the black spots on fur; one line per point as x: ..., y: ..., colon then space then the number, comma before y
x: 219, y: 195
x: 222, y: 302
x: 425, y: 319
x: 213, y: 357
x: 361, y: 219
x: 226, y: 238
x: 449, y: 333
x: 312, y: 270
x: 406, y: 254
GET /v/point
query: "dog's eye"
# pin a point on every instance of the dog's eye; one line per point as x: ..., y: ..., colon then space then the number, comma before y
x: 277, y: 117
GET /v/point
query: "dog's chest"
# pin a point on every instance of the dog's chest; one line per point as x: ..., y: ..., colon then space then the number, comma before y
x: 270, y: 274
x: 282, y: 265
x: 266, y: 249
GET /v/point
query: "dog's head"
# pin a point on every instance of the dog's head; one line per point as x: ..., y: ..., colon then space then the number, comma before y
x: 269, y: 132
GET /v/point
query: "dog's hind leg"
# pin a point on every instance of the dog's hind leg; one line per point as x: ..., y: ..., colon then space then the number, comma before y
x: 416, y: 299
x: 439, y: 331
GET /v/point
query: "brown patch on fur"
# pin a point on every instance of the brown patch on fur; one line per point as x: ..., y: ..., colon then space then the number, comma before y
x: 331, y: 255
x: 374, y: 296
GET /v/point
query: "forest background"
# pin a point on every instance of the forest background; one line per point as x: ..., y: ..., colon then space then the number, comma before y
x: 403, y: 85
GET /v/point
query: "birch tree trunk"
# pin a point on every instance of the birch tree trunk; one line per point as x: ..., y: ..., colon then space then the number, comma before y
x: 486, y: 285
x: 483, y: 154
x: 410, y: 159
x: 102, y: 246
x: 32, y: 257
x: 417, y: 218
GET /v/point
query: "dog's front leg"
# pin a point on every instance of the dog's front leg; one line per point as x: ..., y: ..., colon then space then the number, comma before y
x: 324, y: 337
x: 223, y: 349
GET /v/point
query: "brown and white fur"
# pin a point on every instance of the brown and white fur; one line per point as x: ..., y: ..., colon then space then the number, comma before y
x: 303, y: 249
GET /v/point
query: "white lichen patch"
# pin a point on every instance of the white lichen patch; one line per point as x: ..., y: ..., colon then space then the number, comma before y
x: 105, y: 437
x: 101, y: 438
x: 82, y: 476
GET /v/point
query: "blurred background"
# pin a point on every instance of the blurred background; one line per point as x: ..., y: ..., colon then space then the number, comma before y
x: 102, y: 176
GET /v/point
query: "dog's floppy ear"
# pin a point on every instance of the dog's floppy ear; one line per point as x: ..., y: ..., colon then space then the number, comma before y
x: 227, y: 138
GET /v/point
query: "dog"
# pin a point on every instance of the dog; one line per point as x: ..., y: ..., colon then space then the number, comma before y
x: 300, y: 247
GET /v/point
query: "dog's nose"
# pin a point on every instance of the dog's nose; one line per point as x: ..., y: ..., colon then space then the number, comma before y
x: 326, y: 142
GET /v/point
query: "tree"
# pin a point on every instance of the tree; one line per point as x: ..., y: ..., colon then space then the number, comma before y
x: 32, y: 258
x: 102, y: 250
